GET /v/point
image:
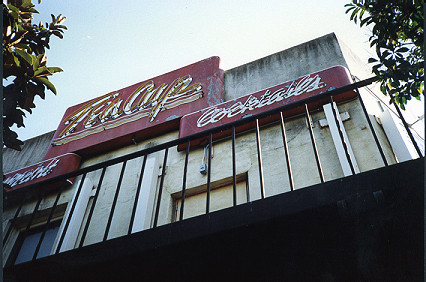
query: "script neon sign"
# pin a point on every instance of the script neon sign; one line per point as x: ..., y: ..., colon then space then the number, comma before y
x: 42, y: 171
x: 273, y: 97
x: 108, y: 111
x: 31, y: 174
x: 305, y: 85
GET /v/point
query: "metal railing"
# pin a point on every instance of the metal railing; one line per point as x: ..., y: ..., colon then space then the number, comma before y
x: 29, y: 193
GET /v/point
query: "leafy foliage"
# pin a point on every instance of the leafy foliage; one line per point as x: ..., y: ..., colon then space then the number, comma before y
x: 25, y: 73
x: 397, y: 34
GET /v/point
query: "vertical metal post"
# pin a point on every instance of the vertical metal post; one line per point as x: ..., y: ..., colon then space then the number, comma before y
x: 160, y: 190
x: 287, y: 156
x: 371, y: 127
x: 185, y: 168
x: 339, y: 129
x: 18, y: 210
x: 209, y: 174
x: 114, y: 202
x: 48, y: 221
x: 314, y: 145
x: 234, y: 170
x: 61, y: 239
x: 259, y: 159
x: 32, y: 216
x: 138, y: 189
x: 34, y: 212
x: 419, y: 152
x: 92, y: 208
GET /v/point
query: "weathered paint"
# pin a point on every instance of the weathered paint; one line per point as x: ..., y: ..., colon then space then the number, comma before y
x: 32, y: 152
x: 283, y: 94
x: 42, y: 171
x: 137, y: 112
x: 299, y: 145
x: 308, y: 57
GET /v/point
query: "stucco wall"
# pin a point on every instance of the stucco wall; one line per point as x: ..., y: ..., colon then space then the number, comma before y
x: 315, y: 55
x: 32, y: 152
x: 275, y: 173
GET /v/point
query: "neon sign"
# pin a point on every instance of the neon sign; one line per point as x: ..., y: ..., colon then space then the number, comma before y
x: 305, y: 85
x: 273, y: 97
x: 42, y: 171
x: 137, y: 112
x: 145, y: 101
x: 31, y: 174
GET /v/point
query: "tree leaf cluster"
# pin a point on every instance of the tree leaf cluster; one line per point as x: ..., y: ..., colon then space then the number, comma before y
x: 397, y: 35
x: 25, y: 70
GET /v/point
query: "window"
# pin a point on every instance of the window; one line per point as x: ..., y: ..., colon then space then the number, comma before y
x: 26, y: 244
x: 220, y: 198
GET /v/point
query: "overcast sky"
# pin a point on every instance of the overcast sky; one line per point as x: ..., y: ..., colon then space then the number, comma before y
x: 113, y: 44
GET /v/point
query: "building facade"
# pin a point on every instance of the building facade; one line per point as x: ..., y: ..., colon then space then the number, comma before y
x: 283, y: 168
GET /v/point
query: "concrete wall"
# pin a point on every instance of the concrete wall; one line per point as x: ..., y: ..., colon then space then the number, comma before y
x: 315, y: 55
x: 32, y: 152
x: 309, y: 57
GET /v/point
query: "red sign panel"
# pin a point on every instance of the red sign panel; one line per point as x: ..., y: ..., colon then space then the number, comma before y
x: 139, y: 111
x: 271, y: 98
x: 42, y: 171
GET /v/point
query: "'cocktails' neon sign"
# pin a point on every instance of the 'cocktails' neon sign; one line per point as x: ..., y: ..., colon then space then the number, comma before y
x: 273, y: 97
x: 306, y: 84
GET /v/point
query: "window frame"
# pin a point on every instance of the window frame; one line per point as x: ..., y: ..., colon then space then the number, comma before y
x: 23, y: 234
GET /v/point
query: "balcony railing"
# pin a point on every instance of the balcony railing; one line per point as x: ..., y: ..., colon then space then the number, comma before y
x: 38, y: 192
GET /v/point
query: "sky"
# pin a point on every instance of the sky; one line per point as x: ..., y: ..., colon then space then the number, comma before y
x: 110, y: 45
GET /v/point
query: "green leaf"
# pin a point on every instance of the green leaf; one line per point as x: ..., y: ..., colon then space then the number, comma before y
x: 26, y: 3
x: 58, y: 34
x: 420, y: 89
x: 42, y: 59
x: 371, y: 60
x: 376, y: 67
x: 16, y: 60
x: 17, y: 117
x: 349, y: 9
x: 402, y: 50
x: 373, y: 42
x: 61, y: 19
x: 365, y: 21
x: 46, y: 82
x: 22, y: 46
x: 361, y: 14
x: 386, y: 53
x: 53, y: 70
x: 15, y: 15
x: 383, y: 89
x: 18, y: 37
x: 27, y: 57
x: 10, y: 139
x: 36, y: 64
x: 42, y: 71
x: 13, y: 8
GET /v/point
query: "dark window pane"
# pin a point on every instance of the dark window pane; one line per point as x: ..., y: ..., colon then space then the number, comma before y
x: 30, y: 242
x: 47, y: 244
x: 28, y: 248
